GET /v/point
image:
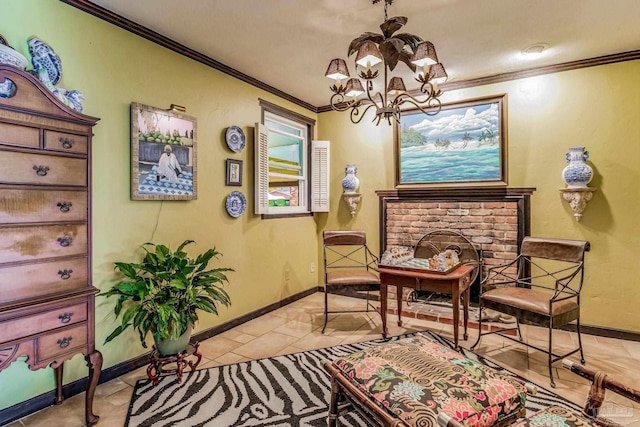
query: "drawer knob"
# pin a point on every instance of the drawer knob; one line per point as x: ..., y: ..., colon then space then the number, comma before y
x: 66, y: 143
x: 65, y: 206
x: 41, y: 170
x: 65, y: 318
x: 64, y: 342
x: 65, y: 241
x: 65, y: 274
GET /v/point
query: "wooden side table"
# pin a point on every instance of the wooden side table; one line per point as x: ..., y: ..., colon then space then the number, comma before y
x: 455, y: 283
x: 157, y: 364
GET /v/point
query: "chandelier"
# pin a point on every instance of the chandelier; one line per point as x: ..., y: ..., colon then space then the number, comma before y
x: 388, y: 48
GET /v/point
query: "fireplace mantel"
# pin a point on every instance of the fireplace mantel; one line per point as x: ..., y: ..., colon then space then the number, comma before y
x: 457, y: 193
x: 430, y: 207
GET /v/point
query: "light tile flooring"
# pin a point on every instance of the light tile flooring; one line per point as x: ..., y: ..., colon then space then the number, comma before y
x: 297, y: 326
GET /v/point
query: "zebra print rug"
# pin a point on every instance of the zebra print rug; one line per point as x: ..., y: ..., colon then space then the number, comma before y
x: 291, y: 390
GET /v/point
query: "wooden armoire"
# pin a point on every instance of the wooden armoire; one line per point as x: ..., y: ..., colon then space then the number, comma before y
x: 46, y: 297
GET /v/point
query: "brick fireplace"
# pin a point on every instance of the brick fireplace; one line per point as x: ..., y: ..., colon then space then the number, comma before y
x: 495, y: 220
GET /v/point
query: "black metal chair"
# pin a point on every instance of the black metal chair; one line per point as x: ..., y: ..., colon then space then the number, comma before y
x: 541, y: 286
x: 348, y: 265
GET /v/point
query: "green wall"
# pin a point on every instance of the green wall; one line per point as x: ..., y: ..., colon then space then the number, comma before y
x: 113, y: 68
x: 597, y: 107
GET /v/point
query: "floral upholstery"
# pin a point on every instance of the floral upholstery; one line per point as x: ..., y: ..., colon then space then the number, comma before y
x: 556, y: 416
x: 416, y: 378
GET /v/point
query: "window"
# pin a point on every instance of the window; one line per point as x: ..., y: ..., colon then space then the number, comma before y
x: 291, y: 171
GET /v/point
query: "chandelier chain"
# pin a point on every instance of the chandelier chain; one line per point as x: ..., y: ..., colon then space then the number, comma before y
x: 386, y: 4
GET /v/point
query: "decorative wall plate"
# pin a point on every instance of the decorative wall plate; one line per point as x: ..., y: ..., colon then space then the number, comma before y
x: 235, y: 138
x: 236, y: 204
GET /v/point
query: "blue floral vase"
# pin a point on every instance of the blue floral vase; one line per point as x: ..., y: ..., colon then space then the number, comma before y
x: 577, y: 174
x: 350, y: 182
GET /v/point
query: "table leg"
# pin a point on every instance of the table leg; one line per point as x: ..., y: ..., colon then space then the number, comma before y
x: 399, y: 303
x: 332, y: 420
x: 58, y: 374
x: 467, y: 296
x: 383, y: 308
x: 94, y: 362
x: 455, y: 294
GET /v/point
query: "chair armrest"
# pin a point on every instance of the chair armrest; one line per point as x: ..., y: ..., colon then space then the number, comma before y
x: 492, y: 273
x: 373, y: 264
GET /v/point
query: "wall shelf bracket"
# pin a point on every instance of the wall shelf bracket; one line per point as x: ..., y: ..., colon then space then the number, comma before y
x: 578, y: 199
x: 352, y: 200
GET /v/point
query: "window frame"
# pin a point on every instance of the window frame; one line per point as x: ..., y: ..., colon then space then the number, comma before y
x: 307, y: 125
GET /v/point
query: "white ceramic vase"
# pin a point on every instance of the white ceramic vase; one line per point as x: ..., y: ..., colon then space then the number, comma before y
x: 350, y: 182
x: 577, y: 174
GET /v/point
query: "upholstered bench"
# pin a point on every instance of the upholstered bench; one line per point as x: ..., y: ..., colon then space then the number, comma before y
x: 414, y: 381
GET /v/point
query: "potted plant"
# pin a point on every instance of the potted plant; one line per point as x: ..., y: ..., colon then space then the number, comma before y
x: 164, y: 292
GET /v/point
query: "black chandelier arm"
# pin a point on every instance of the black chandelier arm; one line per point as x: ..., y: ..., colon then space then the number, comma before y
x: 377, y: 94
x: 338, y: 102
x: 432, y: 107
x: 430, y: 88
x: 354, y: 113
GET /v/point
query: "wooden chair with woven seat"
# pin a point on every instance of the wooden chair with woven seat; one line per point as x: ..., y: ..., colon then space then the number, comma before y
x: 348, y: 265
x: 541, y: 286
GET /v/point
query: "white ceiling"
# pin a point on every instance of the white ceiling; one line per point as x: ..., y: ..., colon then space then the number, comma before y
x: 289, y: 43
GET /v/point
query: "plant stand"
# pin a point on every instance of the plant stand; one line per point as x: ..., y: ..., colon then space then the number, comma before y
x: 157, y: 363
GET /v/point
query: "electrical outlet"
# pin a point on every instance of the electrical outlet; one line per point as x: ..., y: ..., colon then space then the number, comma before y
x: 312, y: 267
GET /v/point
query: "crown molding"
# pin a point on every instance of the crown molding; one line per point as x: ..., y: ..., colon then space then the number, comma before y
x: 146, y: 33
x: 530, y: 72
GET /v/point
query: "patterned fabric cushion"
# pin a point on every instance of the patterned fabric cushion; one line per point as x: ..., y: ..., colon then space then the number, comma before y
x: 556, y: 416
x: 416, y: 378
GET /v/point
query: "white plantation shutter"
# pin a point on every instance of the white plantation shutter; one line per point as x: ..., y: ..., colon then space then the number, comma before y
x: 320, y: 176
x: 261, y: 149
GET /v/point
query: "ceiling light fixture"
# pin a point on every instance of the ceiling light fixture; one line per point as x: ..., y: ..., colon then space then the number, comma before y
x: 390, y: 49
x: 535, y: 49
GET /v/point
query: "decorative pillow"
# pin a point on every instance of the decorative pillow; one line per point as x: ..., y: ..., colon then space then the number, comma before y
x: 416, y: 378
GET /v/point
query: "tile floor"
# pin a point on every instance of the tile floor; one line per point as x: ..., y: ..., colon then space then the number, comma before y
x: 296, y: 328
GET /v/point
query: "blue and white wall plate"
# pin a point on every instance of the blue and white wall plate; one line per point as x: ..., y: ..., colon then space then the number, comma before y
x: 235, y: 139
x: 236, y: 204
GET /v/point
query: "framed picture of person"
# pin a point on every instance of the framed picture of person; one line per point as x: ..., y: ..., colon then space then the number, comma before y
x: 163, y: 154
x: 234, y: 172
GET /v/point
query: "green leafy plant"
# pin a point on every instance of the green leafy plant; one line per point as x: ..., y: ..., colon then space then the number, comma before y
x: 164, y: 292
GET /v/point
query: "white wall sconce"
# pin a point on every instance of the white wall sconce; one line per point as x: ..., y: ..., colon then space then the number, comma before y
x: 352, y: 200
x: 577, y: 198
x: 577, y: 175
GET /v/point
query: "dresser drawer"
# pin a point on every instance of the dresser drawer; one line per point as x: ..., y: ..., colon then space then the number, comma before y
x: 42, y: 322
x: 42, y: 278
x: 37, y: 242
x: 66, y: 142
x: 19, y: 135
x: 25, y: 168
x: 20, y: 206
x: 61, y: 342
